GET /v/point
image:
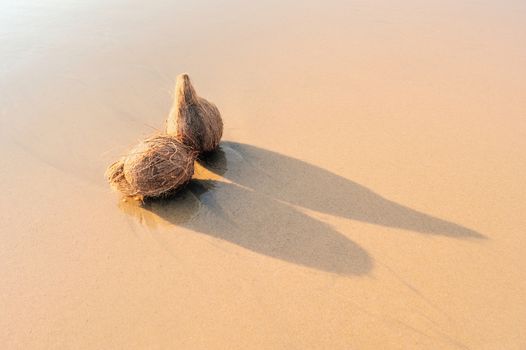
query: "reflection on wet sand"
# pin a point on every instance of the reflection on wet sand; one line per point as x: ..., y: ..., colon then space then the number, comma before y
x: 250, y: 211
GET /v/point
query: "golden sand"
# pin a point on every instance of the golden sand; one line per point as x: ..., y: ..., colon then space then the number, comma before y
x: 369, y: 192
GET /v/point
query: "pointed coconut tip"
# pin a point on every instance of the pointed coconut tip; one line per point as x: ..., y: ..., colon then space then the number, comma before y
x: 184, y: 91
x: 182, y: 79
x: 192, y: 119
x: 183, y: 76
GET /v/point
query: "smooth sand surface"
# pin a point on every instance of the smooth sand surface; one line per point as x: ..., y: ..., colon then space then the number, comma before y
x: 369, y: 192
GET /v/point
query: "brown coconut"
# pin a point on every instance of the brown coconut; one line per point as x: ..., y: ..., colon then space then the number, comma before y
x: 155, y: 167
x: 194, y: 120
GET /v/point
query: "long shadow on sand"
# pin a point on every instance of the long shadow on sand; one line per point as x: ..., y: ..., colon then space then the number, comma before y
x: 257, y: 223
x: 258, y: 211
x: 296, y: 182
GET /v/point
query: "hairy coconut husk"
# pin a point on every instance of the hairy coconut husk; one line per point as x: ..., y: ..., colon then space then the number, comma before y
x: 156, y: 166
x: 194, y: 120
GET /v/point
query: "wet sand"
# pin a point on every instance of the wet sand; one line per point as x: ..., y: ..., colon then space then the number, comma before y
x: 369, y: 192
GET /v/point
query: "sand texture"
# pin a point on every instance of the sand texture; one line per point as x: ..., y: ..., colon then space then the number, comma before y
x: 369, y: 191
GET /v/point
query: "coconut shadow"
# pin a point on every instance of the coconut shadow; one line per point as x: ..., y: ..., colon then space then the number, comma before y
x: 257, y: 223
x: 296, y: 182
x: 257, y: 210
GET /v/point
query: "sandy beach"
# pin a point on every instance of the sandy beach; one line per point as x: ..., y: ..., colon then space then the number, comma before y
x: 369, y: 191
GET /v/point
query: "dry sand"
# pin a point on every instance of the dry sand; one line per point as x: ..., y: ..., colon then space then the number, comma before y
x: 369, y: 193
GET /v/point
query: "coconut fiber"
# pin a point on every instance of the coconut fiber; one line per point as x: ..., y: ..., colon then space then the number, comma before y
x: 194, y: 120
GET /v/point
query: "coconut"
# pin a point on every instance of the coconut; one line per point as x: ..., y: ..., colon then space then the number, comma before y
x: 155, y: 167
x: 193, y: 120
